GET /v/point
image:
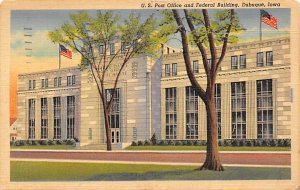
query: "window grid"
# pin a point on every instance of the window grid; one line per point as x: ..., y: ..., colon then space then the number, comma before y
x: 31, y: 119
x: 101, y: 49
x: 218, y: 108
x: 260, y: 59
x: 238, y: 110
x: 44, y: 118
x: 70, y: 117
x: 234, y: 62
x: 114, y: 114
x: 171, y: 116
x: 57, y: 117
x: 264, y: 109
x: 191, y: 113
x: 112, y: 49
x: 242, y: 61
x: 269, y: 58
x: 167, y: 70
x: 195, y: 66
x: 174, y: 69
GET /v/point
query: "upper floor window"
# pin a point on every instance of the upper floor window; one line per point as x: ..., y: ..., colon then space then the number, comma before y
x: 242, y: 61
x: 112, y: 49
x: 234, y: 62
x: 31, y: 84
x: 174, y: 69
x: 195, y: 66
x: 123, y: 47
x: 57, y: 81
x: 101, y: 49
x: 167, y: 70
x: 70, y: 80
x: 260, y: 59
x: 269, y: 56
x: 44, y: 83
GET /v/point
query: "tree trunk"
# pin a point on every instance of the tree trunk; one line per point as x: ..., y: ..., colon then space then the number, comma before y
x: 212, y: 161
x: 107, y: 130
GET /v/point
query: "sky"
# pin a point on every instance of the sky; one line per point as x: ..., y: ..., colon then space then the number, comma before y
x: 44, y: 54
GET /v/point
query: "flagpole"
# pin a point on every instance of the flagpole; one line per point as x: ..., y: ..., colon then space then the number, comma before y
x: 260, y: 30
x: 59, y: 61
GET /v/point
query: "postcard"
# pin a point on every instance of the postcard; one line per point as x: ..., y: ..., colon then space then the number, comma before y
x: 149, y: 94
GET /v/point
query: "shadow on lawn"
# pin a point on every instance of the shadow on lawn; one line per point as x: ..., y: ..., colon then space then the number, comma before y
x: 228, y: 174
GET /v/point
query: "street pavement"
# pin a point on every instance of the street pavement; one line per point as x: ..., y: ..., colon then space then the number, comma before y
x: 235, y: 158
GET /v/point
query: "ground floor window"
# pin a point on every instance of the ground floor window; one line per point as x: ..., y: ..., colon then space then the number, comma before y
x: 57, y: 117
x: 44, y: 118
x: 31, y: 119
x: 171, y: 115
x: 264, y: 109
x: 238, y: 110
x: 191, y: 108
x: 70, y: 117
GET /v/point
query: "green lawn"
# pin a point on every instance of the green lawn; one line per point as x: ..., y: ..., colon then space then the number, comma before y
x: 61, y: 147
x: 221, y: 148
x: 67, y: 171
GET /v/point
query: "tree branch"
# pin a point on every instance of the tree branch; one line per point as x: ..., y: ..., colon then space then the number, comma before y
x: 186, y: 56
x: 226, y: 39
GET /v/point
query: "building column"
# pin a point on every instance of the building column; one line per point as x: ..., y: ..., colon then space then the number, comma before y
x: 50, y: 118
x: 63, y: 113
x: 163, y: 114
x: 202, y: 129
x: 180, y: 109
x: 251, y: 123
x: 37, y: 118
x: 226, y: 110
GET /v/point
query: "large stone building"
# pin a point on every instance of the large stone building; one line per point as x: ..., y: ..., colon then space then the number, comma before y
x: 253, y: 94
x: 154, y: 96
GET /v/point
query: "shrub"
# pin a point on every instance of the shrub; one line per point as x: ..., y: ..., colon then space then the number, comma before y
x: 227, y: 142
x: 35, y: 143
x: 43, y: 142
x: 189, y: 142
x: 235, y: 142
x: 28, y: 142
x: 197, y: 143
x: 250, y: 142
x: 147, y: 143
x: 242, y: 142
x: 51, y: 142
x: 70, y: 142
x: 140, y: 143
x: 133, y: 143
x: 178, y: 143
x: 59, y: 142
x: 184, y: 142
x: 287, y: 142
x: 76, y: 139
x: 154, y: 139
x: 171, y: 142
x: 274, y: 142
x: 281, y: 142
x: 221, y: 142
x: 12, y: 143
x: 162, y: 143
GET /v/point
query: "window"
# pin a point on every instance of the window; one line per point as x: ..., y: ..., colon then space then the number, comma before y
x: 101, y: 49
x: 57, y: 117
x: 260, y: 59
x: 44, y: 118
x: 114, y: 115
x: 269, y: 55
x: 167, y: 70
x: 123, y: 47
x: 234, y: 62
x: 44, y: 83
x: 218, y: 108
x: 70, y: 80
x: 171, y: 116
x: 174, y: 69
x: 33, y: 86
x: 30, y: 84
x: 31, y: 119
x: 90, y: 135
x: 70, y: 116
x: 242, y: 61
x: 134, y: 134
x: 238, y: 110
x: 264, y: 109
x: 57, y: 81
x: 112, y: 49
x: 195, y: 66
x: 191, y: 105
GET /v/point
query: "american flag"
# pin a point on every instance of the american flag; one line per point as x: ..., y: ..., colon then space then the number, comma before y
x: 268, y: 19
x: 65, y: 52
